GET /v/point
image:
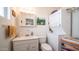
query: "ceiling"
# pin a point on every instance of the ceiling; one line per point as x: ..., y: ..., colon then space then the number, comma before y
x: 36, y: 10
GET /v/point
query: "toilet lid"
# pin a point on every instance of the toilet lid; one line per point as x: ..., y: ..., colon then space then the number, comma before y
x: 46, y: 46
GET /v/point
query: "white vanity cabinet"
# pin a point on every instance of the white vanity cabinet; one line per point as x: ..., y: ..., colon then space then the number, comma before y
x: 25, y: 44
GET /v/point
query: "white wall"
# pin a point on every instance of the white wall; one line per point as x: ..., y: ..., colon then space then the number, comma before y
x: 4, y: 21
x: 4, y: 42
x: 2, y: 11
x: 42, y: 12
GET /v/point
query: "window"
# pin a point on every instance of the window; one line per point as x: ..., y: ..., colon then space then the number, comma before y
x: 5, y: 12
x: 1, y: 11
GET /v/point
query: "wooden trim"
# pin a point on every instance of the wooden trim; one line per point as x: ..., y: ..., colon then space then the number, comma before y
x: 70, y: 42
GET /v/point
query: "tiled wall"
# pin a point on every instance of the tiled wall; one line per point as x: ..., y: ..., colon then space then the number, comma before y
x: 37, y: 30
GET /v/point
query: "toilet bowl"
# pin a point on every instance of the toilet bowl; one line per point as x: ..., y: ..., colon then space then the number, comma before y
x: 43, y: 45
x: 46, y: 47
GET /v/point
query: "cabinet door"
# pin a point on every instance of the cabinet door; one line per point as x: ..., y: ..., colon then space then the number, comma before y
x: 26, y: 45
x: 21, y: 42
x: 55, y: 19
x: 20, y: 46
x: 33, y: 45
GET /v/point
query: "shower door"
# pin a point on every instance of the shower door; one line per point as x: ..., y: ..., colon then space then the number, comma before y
x: 75, y: 23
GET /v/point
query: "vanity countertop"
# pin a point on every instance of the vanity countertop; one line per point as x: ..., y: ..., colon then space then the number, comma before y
x: 27, y: 38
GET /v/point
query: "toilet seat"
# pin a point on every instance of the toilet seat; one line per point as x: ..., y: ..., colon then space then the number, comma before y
x: 46, y: 47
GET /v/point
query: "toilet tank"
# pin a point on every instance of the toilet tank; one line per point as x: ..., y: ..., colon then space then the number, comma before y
x: 42, y: 39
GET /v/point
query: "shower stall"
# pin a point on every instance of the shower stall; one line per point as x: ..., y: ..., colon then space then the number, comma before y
x: 74, y: 22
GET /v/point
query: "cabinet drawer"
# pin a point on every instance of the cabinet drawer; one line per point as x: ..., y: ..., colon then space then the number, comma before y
x: 21, y: 48
x: 25, y: 41
x: 16, y: 43
x: 34, y: 41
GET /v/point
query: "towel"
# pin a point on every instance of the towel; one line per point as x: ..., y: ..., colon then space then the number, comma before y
x: 11, y: 31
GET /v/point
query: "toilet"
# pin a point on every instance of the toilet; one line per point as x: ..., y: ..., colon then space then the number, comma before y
x: 46, y: 47
x: 43, y: 45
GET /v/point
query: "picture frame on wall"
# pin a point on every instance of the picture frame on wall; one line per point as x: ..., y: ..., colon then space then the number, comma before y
x: 40, y: 21
x: 29, y: 21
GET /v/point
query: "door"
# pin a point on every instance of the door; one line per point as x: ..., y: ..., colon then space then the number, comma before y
x: 55, y: 19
